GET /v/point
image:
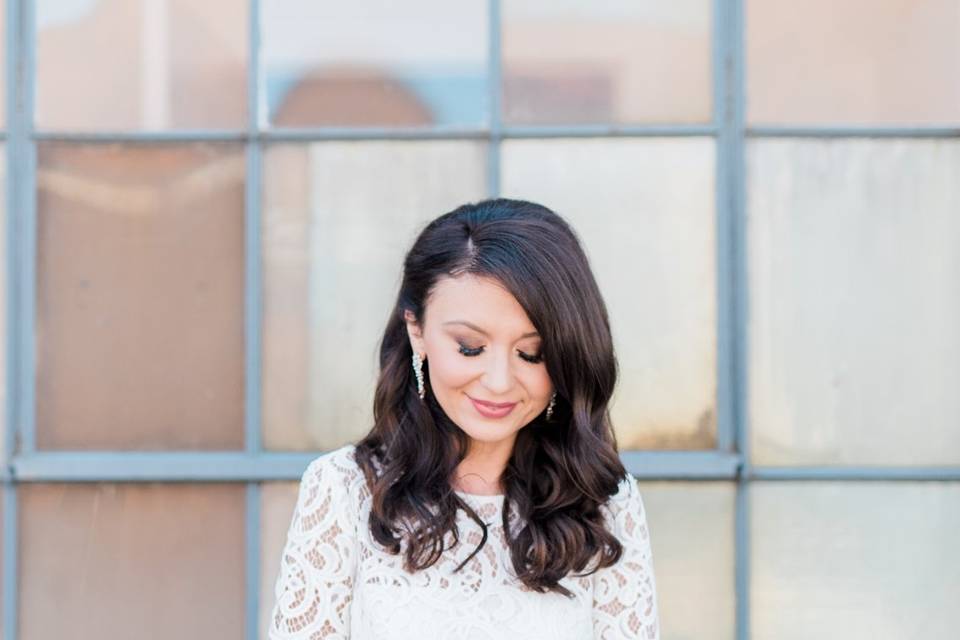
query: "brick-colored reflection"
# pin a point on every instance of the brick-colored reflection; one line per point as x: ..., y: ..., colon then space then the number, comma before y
x: 119, y: 65
x: 411, y: 63
x: 119, y: 561
x: 140, y: 296
x: 619, y: 61
x: 877, y: 62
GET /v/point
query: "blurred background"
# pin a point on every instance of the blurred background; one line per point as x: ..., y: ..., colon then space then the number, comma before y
x: 206, y: 208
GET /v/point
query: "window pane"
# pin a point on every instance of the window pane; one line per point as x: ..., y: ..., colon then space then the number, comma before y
x: 854, y: 560
x: 153, y: 64
x: 140, y: 280
x: 277, y: 501
x: 338, y: 219
x: 854, y: 315
x: 419, y: 62
x: 691, y: 530
x: 858, y: 61
x: 617, y: 61
x: 644, y: 209
x: 146, y: 561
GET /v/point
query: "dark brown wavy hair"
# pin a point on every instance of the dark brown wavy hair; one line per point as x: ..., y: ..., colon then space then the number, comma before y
x: 560, y: 471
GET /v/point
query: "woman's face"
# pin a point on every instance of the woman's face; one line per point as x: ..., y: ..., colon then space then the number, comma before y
x: 480, y: 345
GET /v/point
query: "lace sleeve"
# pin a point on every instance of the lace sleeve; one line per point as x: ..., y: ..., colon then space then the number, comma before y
x: 314, y: 588
x: 625, y: 594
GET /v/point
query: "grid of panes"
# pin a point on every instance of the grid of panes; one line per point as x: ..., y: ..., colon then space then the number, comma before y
x: 206, y: 218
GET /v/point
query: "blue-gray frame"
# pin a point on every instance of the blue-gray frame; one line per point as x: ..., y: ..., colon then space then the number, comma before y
x: 253, y: 465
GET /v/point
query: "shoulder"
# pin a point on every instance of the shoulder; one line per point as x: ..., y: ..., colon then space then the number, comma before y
x: 338, y: 464
x: 625, y: 593
x: 625, y: 512
x: 333, y: 476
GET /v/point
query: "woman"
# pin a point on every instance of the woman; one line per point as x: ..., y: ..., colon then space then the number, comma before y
x: 488, y: 500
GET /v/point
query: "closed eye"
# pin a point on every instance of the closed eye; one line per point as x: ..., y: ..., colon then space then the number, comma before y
x: 470, y: 353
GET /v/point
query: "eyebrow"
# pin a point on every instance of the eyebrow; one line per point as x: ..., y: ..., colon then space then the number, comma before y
x: 532, y: 334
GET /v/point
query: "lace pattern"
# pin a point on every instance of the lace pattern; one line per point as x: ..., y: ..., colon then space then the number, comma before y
x: 314, y: 589
x: 335, y: 581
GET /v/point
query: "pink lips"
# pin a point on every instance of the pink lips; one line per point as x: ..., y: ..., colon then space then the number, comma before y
x: 493, y: 410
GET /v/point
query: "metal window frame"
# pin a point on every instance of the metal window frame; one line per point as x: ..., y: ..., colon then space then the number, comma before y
x: 729, y: 461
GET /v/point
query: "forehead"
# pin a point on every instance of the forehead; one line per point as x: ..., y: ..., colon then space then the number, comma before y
x: 480, y: 301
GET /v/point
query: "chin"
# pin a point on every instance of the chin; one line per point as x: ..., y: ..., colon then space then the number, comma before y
x: 486, y: 432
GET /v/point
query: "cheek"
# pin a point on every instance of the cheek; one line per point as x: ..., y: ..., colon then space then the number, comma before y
x: 450, y: 370
x: 538, y: 385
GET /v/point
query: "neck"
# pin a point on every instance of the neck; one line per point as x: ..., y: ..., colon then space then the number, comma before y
x: 481, y: 471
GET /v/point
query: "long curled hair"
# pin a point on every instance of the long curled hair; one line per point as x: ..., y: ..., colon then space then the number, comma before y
x: 560, y: 471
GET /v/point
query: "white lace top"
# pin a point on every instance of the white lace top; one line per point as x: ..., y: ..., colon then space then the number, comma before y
x: 335, y: 581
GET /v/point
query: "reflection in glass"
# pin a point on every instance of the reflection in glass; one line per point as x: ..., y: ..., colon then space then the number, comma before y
x: 864, y: 62
x: 854, y: 560
x: 132, y: 560
x: 337, y: 219
x: 140, y: 296
x: 644, y: 209
x: 415, y: 63
x: 616, y: 61
x: 146, y: 65
x: 854, y: 314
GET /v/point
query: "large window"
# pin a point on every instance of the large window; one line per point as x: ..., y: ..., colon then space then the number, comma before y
x: 207, y: 205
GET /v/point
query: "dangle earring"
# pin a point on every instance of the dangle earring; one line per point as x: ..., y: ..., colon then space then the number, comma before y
x: 418, y: 371
x: 553, y: 400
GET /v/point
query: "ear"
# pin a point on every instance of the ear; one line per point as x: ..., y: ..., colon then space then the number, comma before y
x: 415, y: 334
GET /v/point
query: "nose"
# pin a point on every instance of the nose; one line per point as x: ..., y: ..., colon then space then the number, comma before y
x: 498, y: 377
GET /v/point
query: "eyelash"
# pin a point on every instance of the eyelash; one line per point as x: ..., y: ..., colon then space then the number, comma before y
x: 471, y: 353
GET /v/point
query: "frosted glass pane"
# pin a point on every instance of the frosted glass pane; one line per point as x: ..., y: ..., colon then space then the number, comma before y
x: 691, y: 532
x: 374, y: 62
x: 617, y: 61
x: 854, y: 314
x: 140, y: 296
x: 854, y: 560
x: 277, y: 501
x: 857, y: 61
x: 644, y: 209
x: 150, y: 64
x: 145, y: 561
x: 338, y: 218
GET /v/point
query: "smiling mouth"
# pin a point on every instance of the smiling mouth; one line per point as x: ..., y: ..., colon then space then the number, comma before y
x: 492, y: 411
x: 494, y: 405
